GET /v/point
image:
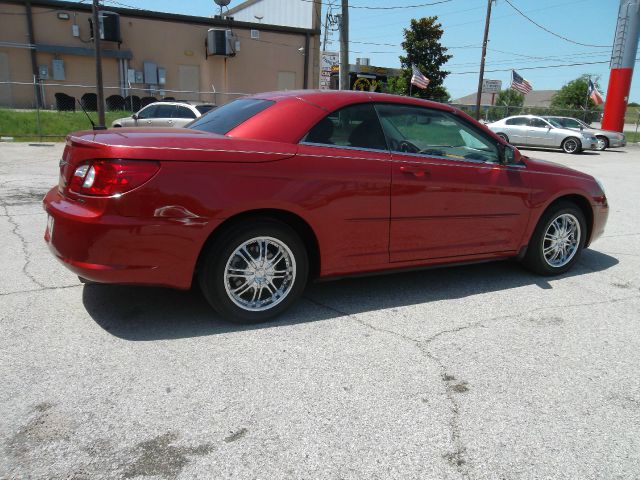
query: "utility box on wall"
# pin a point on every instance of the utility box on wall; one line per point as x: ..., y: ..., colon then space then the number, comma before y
x: 220, y: 42
x: 150, y: 73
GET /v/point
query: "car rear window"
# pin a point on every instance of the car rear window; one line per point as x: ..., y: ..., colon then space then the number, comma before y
x: 224, y: 119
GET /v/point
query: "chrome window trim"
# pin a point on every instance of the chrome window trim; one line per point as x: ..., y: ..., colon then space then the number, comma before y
x: 347, y: 147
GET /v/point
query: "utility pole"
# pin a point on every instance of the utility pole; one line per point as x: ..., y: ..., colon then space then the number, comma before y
x: 484, y: 54
x: 344, y: 46
x: 96, y: 42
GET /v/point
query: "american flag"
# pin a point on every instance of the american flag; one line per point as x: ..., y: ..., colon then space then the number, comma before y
x: 595, y: 95
x: 519, y: 84
x: 418, y: 79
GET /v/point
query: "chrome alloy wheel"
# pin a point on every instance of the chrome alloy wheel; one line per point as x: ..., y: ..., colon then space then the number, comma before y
x: 602, y: 144
x: 561, y: 240
x: 259, y: 274
x: 570, y: 145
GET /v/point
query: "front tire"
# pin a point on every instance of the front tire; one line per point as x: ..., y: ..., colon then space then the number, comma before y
x: 558, y: 240
x: 603, y: 143
x: 253, y: 272
x: 571, y: 145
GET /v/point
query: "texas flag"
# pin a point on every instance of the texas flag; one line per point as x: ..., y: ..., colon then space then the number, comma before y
x: 594, y: 94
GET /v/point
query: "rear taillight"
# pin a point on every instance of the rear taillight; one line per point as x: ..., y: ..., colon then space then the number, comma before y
x: 111, y: 177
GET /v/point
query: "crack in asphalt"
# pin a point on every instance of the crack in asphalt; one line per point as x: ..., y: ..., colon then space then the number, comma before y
x: 456, y: 458
x: 24, y: 247
x: 33, y: 290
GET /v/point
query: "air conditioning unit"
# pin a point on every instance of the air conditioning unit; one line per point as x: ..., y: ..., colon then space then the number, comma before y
x: 220, y: 42
x: 109, y: 27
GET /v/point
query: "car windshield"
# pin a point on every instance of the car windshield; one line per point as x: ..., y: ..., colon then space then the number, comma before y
x: 555, y: 122
x: 223, y: 119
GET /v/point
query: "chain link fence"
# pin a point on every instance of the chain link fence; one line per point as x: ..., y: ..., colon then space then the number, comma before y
x: 48, y: 110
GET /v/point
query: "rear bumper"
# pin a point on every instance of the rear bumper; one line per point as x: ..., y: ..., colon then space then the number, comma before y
x: 108, y: 248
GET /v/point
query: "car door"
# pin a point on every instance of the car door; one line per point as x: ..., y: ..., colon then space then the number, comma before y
x: 450, y: 196
x: 345, y: 179
x: 146, y: 116
x: 539, y: 133
x: 516, y: 130
x: 182, y: 116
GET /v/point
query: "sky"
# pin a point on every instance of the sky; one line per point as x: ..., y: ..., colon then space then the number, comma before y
x: 514, y: 42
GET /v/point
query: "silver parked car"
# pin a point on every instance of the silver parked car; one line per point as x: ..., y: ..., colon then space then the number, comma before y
x: 606, y: 138
x: 533, y: 131
x: 161, y: 114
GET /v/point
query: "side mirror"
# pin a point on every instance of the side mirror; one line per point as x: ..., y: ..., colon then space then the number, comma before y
x: 134, y: 116
x: 509, y: 154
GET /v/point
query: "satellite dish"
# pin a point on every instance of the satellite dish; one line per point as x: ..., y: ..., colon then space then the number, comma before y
x: 222, y: 3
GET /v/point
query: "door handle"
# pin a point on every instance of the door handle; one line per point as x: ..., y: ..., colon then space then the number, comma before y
x: 415, y: 171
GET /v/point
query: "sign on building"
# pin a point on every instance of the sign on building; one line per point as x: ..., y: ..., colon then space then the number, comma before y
x: 329, y: 62
x: 491, y: 86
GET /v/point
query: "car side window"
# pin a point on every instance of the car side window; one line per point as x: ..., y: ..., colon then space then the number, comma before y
x: 148, y: 112
x: 183, y: 112
x: 353, y: 126
x: 569, y: 122
x: 537, y: 122
x: 434, y: 132
x: 164, y: 111
x: 516, y: 121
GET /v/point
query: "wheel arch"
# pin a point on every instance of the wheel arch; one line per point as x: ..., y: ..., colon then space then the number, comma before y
x: 296, y: 222
x: 583, y: 204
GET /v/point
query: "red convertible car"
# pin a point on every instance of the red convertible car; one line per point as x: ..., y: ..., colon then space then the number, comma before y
x: 260, y: 195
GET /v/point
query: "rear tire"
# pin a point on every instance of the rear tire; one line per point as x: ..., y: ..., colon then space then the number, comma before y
x: 571, y: 145
x: 603, y: 143
x: 558, y: 240
x: 239, y: 279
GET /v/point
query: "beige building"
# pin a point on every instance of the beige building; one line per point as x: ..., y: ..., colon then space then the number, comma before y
x: 535, y: 98
x: 160, y: 54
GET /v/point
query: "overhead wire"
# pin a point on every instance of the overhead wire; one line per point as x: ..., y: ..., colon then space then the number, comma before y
x: 551, y: 32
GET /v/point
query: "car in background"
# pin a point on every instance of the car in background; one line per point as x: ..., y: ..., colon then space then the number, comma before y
x: 162, y: 114
x: 261, y: 194
x: 204, y: 108
x: 606, y: 138
x: 534, y: 131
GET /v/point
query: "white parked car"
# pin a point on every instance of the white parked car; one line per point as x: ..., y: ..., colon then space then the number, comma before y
x: 606, y: 138
x: 163, y: 114
x: 534, y: 131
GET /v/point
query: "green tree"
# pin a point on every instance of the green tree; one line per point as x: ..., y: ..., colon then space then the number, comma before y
x: 396, y: 85
x: 508, y: 102
x: 572, y: 96
x: 424, y: 50
x: 510, y: 97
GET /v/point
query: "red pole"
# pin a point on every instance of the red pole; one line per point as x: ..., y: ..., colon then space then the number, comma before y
x: 617, y: 98
x: 623, y: 58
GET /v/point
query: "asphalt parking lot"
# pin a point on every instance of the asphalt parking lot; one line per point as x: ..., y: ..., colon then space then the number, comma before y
x: 480, y: 372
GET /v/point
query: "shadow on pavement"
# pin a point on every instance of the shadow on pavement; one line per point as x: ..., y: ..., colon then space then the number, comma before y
x: 148, y: 313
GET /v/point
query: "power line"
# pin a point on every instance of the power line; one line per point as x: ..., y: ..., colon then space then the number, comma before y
x: 533, y: 68
x: 393, y: 7
x: 553, y: 33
